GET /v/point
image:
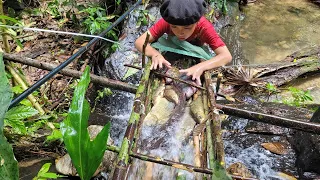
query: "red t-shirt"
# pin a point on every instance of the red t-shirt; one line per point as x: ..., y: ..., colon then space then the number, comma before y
x: 203, y: 33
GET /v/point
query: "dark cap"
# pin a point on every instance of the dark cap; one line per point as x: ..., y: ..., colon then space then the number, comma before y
x: 182, y: 12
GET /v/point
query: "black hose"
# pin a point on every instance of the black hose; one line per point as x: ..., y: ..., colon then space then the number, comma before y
x: 35, y: 86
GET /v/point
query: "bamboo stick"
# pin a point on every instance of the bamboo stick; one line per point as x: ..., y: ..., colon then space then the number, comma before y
x: 210, y: 148
x: 138, y: 108
x: 196, y: 144
x: 19, y: 80
x: 216, y: 124
x: 144, y: 49
x: 4, y: 36
x: 73, y: 73
x: 147, y: 106
x: 166, y: 162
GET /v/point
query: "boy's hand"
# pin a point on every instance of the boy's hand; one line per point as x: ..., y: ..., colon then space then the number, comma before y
x: 158, y: 59
x: 194, y: 71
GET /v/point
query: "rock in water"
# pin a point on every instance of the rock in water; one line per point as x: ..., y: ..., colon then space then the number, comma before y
x: 239, y: 169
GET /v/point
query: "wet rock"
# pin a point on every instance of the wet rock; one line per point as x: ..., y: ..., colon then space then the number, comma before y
x: 64, y: 164
x: 160, y: 112
x: 127, y: 53
x: 263, y: 128
x: 307, y: 147
x: 186, y: 126
x: 317, y: 2
x: 239, y: 169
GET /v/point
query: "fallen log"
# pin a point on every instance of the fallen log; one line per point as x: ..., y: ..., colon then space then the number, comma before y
x: 239, y: 111
x: 72, y: 73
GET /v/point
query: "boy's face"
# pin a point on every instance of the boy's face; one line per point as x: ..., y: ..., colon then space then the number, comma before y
x: 183, y: 32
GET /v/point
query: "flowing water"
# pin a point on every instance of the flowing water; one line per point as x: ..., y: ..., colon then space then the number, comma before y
x: 269, y: 31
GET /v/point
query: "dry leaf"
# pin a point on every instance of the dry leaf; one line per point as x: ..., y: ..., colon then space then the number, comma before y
x: 239, y: 169
x: 276, y: 147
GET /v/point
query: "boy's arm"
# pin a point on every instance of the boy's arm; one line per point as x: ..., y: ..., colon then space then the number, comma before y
x: 156, y: 57
x: 222, y: 58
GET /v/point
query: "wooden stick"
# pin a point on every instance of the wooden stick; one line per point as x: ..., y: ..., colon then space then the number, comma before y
x: 167, y: 162
x: 271, y: 119
x: 164, y: 75
x: 73, y: 73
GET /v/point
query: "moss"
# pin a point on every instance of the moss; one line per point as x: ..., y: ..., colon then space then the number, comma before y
x: 124, y: 151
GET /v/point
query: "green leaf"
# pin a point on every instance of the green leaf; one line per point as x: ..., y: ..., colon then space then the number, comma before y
x: 17, y: 89
x: 17, y: 125
x: 55, y: 135
x: 219, y: 172
x: 21, y: 112
x: 43, y: 173
x: 8, y: 165
x: 130, y: 72
x: 5, y: 92
x: 26, y: 102
x: 86, y: 155
x: 9, y: 19
x: 45, y: 168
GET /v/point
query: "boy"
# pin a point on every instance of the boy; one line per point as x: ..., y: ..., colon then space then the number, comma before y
x: 185, y: 20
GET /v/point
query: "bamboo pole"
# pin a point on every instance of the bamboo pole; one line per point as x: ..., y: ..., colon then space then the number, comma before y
x: 4, y: 35
x: 73, y: 73
x: 147, y: 106
x: 209, y: 141
x: 15, y: 75
x: 216, y: 124
x: 138, y: 108
x: 20, y: 81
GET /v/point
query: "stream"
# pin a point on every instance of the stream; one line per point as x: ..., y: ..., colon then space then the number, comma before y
x: 265, y: 32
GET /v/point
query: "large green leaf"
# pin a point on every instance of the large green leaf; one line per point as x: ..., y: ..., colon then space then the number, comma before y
x: 8, y: 164
x: 86, y: 155
x: 5, y: 92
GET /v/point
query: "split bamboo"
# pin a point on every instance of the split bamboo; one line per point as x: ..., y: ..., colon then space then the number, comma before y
x: 138, y: 109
